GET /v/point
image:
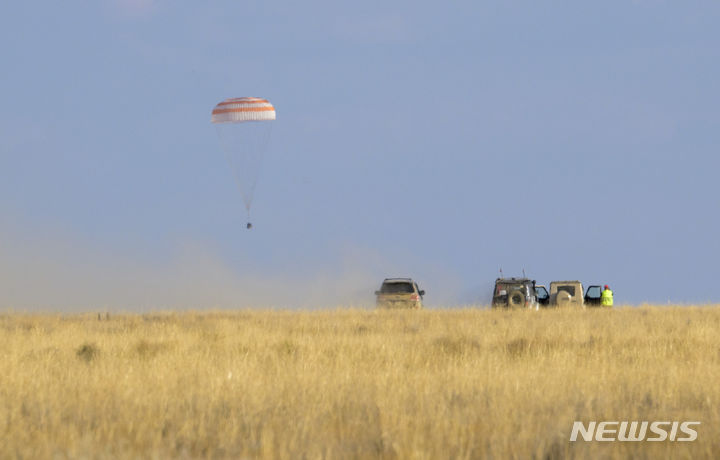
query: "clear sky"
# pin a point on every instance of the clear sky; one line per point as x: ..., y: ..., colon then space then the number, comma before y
x: 437, y: 140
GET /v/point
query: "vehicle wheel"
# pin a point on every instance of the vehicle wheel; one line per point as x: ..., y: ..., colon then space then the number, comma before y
x: 563, y: 299
x: 516, y: 299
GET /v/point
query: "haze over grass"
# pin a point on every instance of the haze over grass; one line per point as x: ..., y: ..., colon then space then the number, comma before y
x: 53, y: 271
x: 60, y: 274
x: 354, y: 383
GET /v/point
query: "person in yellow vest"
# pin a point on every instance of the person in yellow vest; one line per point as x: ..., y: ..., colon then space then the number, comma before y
x: 606, y: 297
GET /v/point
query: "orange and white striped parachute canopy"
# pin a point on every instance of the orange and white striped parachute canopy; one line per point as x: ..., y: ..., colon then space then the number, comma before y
x: 239, y: 109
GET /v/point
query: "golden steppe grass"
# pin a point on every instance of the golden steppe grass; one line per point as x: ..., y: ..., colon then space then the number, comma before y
x: 467, y: 383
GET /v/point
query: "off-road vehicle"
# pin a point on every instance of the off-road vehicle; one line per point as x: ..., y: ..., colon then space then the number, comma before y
x: 570, y: 294
x: 515, y: 293
x: 399, y: 293
x: 566, y: 294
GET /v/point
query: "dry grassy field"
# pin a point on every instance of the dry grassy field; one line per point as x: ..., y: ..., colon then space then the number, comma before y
x: 468, y: 383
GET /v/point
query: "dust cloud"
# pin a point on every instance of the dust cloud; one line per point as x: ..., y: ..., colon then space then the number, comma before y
x: 58, y: 272
x: 65, y: 275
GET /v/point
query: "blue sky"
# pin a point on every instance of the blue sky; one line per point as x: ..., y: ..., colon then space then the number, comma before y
x: 568, y: 139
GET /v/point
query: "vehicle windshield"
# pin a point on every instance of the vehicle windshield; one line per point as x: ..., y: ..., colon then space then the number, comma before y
x: 397, y: 288
x: 569, y: 289
x: 505, y: 288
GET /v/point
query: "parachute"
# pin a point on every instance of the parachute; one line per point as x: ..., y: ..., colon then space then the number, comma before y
x: 244, y: 125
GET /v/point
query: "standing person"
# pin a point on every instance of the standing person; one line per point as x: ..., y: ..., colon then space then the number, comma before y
x: 606, y: 298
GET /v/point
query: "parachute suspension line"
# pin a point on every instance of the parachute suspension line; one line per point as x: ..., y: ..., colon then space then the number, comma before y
x: 231, y: 149
x: 244, y: 145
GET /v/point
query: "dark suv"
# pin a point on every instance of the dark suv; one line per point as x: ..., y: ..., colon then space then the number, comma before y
x: 516, y: 293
